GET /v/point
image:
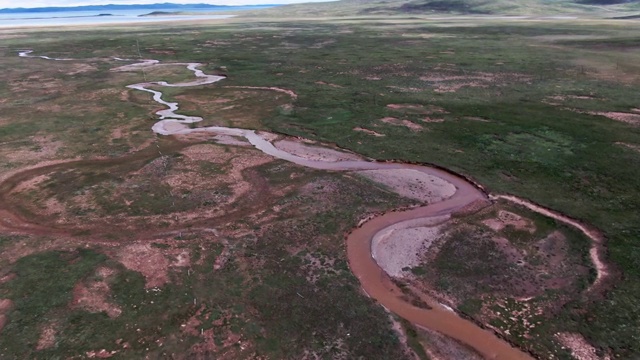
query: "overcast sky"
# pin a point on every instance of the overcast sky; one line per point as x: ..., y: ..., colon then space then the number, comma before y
x: 47, y: 3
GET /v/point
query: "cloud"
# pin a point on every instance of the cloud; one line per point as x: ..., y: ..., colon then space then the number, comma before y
x: 47, y: 3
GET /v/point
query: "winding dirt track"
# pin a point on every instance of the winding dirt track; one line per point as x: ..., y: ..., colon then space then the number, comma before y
x: 375, y: 282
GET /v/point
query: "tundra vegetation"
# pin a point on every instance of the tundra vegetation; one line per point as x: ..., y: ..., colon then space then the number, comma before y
x: 180, y: 247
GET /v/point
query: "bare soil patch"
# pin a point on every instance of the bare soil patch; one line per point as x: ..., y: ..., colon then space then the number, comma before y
x: 31, y: 184
x: 117, y: 133
x: 629, y: 118
x: 93, y: 296
x: 402, y: 336
x: 629, y: 146
x: 147, y: 260
x: 230, y: 140
x: 475, y: 118
x: 310, y: 152
x: 406, y: 89
x: 432, y: 120
x: 328, y: 84
x: 406, y: 123
x: 100, y: 354
x: 402, y: 246
x: 291, y: 93
x: 452, y: 82
x: 80, y: 68
x: 368, y: 132
x: 412, y: 184
x: 47, y: 337
x: 7, y: 278
x: 506, y: 218
x: 5, y: 307
x: 417, y: 109
x: 572, y: 97
x: 39, y: 148
x: 441, y: 347
x: 579, y: 346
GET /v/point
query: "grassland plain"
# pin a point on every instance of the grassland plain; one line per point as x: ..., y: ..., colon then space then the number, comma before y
x: 527, y: 108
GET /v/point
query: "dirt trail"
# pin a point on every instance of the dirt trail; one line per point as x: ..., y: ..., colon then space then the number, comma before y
x: 375, y: 282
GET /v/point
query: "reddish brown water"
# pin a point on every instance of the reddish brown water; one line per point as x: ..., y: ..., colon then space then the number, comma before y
x: 377, y: 284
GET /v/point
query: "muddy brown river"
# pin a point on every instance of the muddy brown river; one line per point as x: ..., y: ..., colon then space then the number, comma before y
x: 375, y: 282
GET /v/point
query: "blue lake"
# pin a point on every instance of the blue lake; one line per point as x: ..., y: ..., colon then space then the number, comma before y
x: 115, y: 17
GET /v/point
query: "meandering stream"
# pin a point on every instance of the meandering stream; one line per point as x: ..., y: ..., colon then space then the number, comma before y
x: 375, y: 282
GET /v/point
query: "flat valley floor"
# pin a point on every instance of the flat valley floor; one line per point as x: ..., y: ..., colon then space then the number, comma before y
x: 222, y: 228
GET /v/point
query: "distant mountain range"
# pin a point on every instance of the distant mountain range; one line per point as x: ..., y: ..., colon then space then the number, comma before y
x: 112, y: 7
x: 598, y: 8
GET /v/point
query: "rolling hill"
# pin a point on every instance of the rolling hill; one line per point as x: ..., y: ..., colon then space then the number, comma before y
x: 466, y: 7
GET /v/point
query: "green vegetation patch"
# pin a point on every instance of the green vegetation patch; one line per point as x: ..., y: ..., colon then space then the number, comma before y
x: 43, y: 285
